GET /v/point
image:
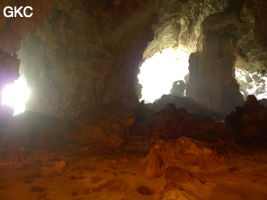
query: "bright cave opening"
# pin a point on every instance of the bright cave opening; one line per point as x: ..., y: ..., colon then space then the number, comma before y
x: 16, y: 95
x: 252, y: 83
x: 164, y: 73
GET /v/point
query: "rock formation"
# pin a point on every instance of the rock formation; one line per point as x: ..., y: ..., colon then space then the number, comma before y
x: 250, y: 120
x: 96, y: 45
x: 182, y: 153
x: 100, y: 45
x: 216, y: 62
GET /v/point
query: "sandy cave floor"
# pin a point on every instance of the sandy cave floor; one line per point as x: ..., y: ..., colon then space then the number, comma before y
x: 87, y: 173
x: 40, y: 160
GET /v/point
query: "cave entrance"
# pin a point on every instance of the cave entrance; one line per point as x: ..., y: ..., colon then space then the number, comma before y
x: 252, y: 83
x: 15, y: 95
x: 164, y: 73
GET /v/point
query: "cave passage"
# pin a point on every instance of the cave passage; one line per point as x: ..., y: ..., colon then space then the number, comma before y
x: 16, y: 95
x: 159, y: 72
x: 134, y: 100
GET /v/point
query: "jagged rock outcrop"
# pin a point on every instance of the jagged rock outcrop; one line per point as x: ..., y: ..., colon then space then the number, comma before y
x: 182, y: 153
x: 86, y: 54
x: 179, y: 23
x: 171, y: 123
x: 250, y: 120
x: 212, y: 79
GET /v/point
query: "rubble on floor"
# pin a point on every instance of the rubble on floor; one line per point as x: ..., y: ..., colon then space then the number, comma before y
x: 189, y: 104
x: 170, y: 123
x: 182, y: 153
x: 250, y: 120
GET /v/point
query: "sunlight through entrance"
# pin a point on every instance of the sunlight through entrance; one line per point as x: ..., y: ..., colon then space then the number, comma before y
x: 158, y: 73
x: 16, y: 95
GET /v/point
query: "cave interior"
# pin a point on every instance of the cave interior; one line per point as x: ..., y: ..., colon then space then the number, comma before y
x: 134, y: 100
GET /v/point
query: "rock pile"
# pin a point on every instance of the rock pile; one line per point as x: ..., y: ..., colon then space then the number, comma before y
x: 172, y: 123
x: 250, y: 120
x: 182, y: 153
